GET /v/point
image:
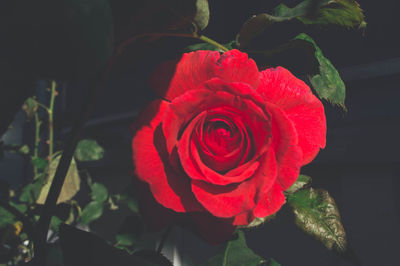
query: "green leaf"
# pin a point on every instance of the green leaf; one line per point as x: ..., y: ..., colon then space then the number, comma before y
x: 327, y: 83
x: 99, y: 192
x: 316, y: 214
x: 71, y: 184
x: 339, y: 12
x: 273, y: 262
x: 30, y: 107
x: 19, y: 206
x: 128, y: 200
x: 202, y: 15
x: 206, y: 46
x: 92, y: 212
x: 30, y: 192
x: 235, y: 253
x: 55, y: 223
x: 6, y: 218
x: 88, y: 150
x: 39, y: 163
x: 19, y: 149
x: 125, y: 240
x: 301, y: 182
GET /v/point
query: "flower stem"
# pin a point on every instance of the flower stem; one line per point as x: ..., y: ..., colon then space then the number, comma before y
x: 50, y: 112
x: 212, y: 42
x: 37, y: 140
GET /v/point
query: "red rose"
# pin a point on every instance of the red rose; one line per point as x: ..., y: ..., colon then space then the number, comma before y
x: 225, y: 139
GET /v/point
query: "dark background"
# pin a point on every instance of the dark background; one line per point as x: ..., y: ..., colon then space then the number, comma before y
x: 360, y: 165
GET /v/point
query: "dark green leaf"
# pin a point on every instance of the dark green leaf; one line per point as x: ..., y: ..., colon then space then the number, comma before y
x: 340, y: 12
x: 30, y: 192
x: 19, y: 149
x: 39, y: 163
x: 316, y: 213
x: 273, y: 262
x: 99, y: 192
x: 202, y: 15
x: 301, y: 182
x: 125, y: 240
x: 206, y: 46
x: 21, y: 207
x: 6, y: 218
x: 92, y: 212
x: 55, y: 223
x: 128, y: 200
x: 71, y: 184
x: 235, y: 253
x: 86, y: 249
x: 30, y: 107
x: 88, y: 150
x: 327, y: 83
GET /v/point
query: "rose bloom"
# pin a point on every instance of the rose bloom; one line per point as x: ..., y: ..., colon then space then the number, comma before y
x: 224, y: 140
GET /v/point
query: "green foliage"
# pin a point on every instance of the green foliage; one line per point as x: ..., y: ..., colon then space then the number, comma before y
x: 92, y: 212
x: 316, y: 214
x: 339, y: 12
x: 273, y: 262
x: 99, y: 192
x: 6, y: 218
x: 39, y: 163
x: 18, y: 149
x: 88, y: 150
x: 259, y: 221
x: 30, y: 192
x: 128, y: 200
x: 30, y: 107
x: 327, y: 83
x: 301, y: 182
x: 235, y: 253
x: 71, y: 184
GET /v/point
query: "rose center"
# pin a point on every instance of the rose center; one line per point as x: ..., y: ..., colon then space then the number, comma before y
x: 221, y: 137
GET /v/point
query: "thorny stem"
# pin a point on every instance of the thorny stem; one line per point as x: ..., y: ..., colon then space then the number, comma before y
x: 50, y: 112
x: 37, y: 140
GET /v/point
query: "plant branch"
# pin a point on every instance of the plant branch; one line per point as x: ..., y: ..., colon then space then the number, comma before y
x: 50, y: 112
x: 36, y: 144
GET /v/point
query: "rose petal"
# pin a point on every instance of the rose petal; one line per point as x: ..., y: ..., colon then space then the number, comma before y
x: 197, y: 67
x: 295, y: 98
x: 231, y: 200
x: 150, y: 158
x: 270, y: 203
x: 284, y: 143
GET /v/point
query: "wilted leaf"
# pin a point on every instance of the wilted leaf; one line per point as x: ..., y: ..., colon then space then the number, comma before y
x: 99, y: 192
x: 88, y: 150
x: 30, y: 107
x: 301, y: 182
x: 71, y: 184
x: 236, y: 253
x: 327, y: 83
x: 92, y: 212
x: 316, y: 213
x: 339, y: 12
x: 202, y: 15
